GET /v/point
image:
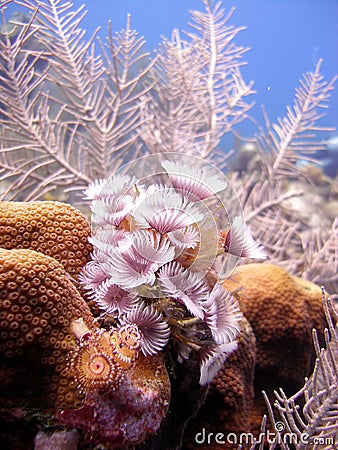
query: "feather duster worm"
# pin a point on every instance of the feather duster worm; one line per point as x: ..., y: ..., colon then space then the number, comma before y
x: 154, y: 248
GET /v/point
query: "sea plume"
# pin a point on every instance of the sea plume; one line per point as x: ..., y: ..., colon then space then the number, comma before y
x: 67, y: 115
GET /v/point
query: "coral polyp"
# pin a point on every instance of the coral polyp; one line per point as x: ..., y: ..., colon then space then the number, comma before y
x: 53, y: 228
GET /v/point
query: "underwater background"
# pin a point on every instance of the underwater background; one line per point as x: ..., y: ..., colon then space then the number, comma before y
x: 286, y: 38
x: 116, y: 128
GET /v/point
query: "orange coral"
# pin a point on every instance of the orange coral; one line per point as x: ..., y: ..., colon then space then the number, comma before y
x: 53, y: 228
x: 282, y: 310
x: 53, y: 355
x: 38, y: 303
x: 46, y: 328
x: 234, y: 382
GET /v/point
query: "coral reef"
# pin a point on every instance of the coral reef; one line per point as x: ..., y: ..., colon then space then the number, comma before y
x: 38, y: 303
x: 156, y: 105
x: 53, y: 228
x: 310, y: 413
x: 47, y: 328
x: 187, y: 396
x: 153, y: 266
x: 234, y: 383
x: 112, y: 95
x: 120, y: 105
x: 282, y: 310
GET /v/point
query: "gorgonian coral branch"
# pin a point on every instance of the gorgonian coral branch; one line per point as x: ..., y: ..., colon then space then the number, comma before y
x: 293, y: 136
x: 66, y: 118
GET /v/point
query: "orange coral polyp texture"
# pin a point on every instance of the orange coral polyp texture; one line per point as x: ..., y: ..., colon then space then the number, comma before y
x: 38, y: 303
x: 53, y: 228
x: 282, y: 310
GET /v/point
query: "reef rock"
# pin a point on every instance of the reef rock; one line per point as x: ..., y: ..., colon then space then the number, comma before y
x: 59, y: 440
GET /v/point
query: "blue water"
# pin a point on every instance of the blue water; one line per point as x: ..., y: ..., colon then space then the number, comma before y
x: 286, y: 37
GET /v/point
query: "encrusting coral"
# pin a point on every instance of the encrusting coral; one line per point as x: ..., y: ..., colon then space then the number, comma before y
x: 282, y: 310
x: 38, y: 303
x: 53, y: 228
x: 234, y: 383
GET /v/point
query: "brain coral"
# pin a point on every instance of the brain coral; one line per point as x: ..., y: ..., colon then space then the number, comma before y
x: 38, y: 303
x: 282, y: 310
x: 53, y: 228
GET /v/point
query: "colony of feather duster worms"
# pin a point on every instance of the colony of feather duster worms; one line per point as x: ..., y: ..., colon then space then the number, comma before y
x: 152, y: 268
